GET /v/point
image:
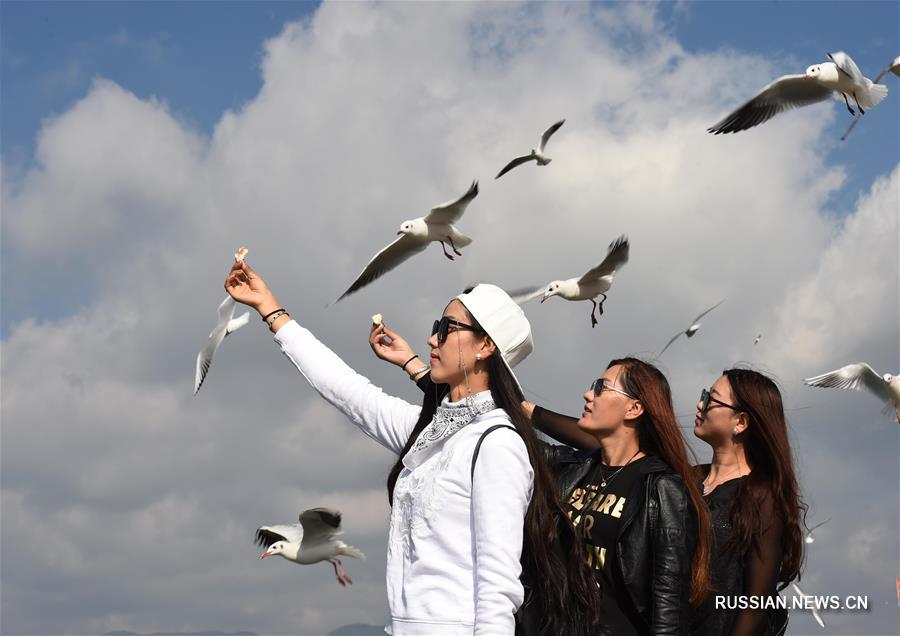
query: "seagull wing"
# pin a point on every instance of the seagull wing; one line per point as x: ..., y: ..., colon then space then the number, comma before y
x: 450, y: 212
x: 788, y: 91
x: 668, y: 344
x: 523, y: 295
x: 518, y: 161
x: 267, y: 535
x: 853, y: 376
x: 319, y: 525
x: 226, y: 309
x: 386, y: 260
x: 847, y: 66
x: 549, y: 133
x: 697, y: 319
x: 616, y: 257
x: 204, y: 358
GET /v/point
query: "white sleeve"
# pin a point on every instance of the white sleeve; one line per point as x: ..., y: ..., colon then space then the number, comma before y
x: 501, y: 490
x: 388, y: 420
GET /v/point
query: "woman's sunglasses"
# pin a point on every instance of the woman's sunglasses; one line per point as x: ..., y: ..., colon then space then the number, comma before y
x: 706, y: 398
x: 598, y: 387
x: 442, y: 328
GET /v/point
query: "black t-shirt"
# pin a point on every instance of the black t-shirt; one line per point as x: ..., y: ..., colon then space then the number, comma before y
x: 596, y: 512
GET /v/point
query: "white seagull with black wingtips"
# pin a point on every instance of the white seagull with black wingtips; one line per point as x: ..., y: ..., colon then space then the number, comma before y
x: 595, y: 282
x: 821, y: 81
x: 415, y: 235
x: 227, y: 324
x: 858, y: 376
x: 311, y: 541
x: 536, y: 154
x: 690, y: 331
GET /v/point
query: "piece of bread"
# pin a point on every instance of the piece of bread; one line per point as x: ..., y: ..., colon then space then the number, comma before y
x: 240, y: 254
x: 377, y: 319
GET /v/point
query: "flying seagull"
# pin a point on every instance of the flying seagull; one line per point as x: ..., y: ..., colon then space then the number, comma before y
x: 415, y: 235
x: 858, y: 376
x: 536, y: 154
x: 758, y: 338
x: 227, y: 324
x: 690, y: 331
x: 821, y: 81
x: 595, y: 282
x: 310, y: 541
x: 811, y: 605
x: 809, y: 538
x: 893, y: 67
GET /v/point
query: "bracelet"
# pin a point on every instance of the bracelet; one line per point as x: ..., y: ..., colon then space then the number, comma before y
x: 408, y: 361
x: 275, y: 315
x: 419, y: 372
x: 266, y: 317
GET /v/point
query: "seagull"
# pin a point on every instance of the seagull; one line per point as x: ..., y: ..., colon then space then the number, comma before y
x: 536, y: 154
x: 415, y: 235
x: 893, y: 67
x: 690, y: 331
x: 310, y: 541
x: 595, y: 282
x: 809, y: 538
x: 821, y: 81
x: 758, y: 338
x: 227, y: 324
x: 811, y: 605
x: 859, y: 375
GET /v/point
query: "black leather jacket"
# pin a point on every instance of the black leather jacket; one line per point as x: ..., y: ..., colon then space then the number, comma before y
x: 657, y: 537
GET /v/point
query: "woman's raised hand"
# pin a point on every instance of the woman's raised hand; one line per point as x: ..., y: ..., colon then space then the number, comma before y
x: 389, y: 346
x: 246, y: 287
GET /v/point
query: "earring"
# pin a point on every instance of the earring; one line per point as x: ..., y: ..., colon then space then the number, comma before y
x: 734, y: 432
x: 478, y: 356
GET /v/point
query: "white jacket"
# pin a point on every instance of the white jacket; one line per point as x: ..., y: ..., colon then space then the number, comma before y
x: 454, y: 543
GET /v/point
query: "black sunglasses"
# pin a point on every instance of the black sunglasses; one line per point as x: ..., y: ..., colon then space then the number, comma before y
x: 442, y: 328
x: 706, y: 398
x: 598, y: 387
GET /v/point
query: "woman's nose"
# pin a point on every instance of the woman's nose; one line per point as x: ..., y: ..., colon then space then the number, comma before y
x: 432, y: 341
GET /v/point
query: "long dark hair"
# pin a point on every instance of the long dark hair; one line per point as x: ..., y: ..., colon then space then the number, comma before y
x: 561, y: 582
x: 659, y: 435
x: 772, y: 482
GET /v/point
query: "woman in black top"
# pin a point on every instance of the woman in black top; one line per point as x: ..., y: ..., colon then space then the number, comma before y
x: 754, y: 503
x: 634, y: 501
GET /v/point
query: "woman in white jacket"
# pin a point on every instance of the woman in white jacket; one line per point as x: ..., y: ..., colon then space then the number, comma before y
x: 457, y: 529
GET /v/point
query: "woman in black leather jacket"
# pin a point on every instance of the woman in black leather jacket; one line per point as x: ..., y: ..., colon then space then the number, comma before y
x: 634, y: 500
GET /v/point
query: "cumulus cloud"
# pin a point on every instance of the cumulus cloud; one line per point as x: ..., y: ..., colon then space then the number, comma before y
x: 131, y: 504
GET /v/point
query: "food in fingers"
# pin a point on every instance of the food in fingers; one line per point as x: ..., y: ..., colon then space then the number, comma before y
x: 377, y: 319
x: 240, y: 254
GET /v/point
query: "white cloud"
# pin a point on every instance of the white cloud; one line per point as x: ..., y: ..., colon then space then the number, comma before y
x: 368, y: 115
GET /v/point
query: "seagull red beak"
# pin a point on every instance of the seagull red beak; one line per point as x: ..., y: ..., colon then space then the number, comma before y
x: 264, y: 555
x: 399, y: 233
x: 544, y: 297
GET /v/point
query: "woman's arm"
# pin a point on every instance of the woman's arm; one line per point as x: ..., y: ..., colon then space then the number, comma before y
x: 388, y: 420
x: 673, y: 547
x: 502, y: 484
x: 562, y: 428
x: 761, y: 567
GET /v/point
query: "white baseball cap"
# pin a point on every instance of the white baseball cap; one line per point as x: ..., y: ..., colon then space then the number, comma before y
x: 503, y: 320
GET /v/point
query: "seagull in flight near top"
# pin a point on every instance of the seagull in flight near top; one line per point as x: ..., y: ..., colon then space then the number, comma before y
x: 537, y: 154
x: 595, y: 282
x: 821, y: 81
x: 690, y: 331
x: 415, y: 235
x: 858, y: 376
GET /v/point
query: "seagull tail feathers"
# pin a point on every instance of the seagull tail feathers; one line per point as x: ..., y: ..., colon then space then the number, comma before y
x: 350, y: 551
x: 874, y: 94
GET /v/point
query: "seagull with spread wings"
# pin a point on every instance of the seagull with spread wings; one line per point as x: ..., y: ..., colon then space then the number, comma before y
x: 311, y: 541
x: 227, y: 324
x: 415, y: 235
x: 595, y: 282
x: 536, y: 154
x: 860, y: 376
x: 821, y: 81
x: 690, y: 331
x: 809, y: 538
